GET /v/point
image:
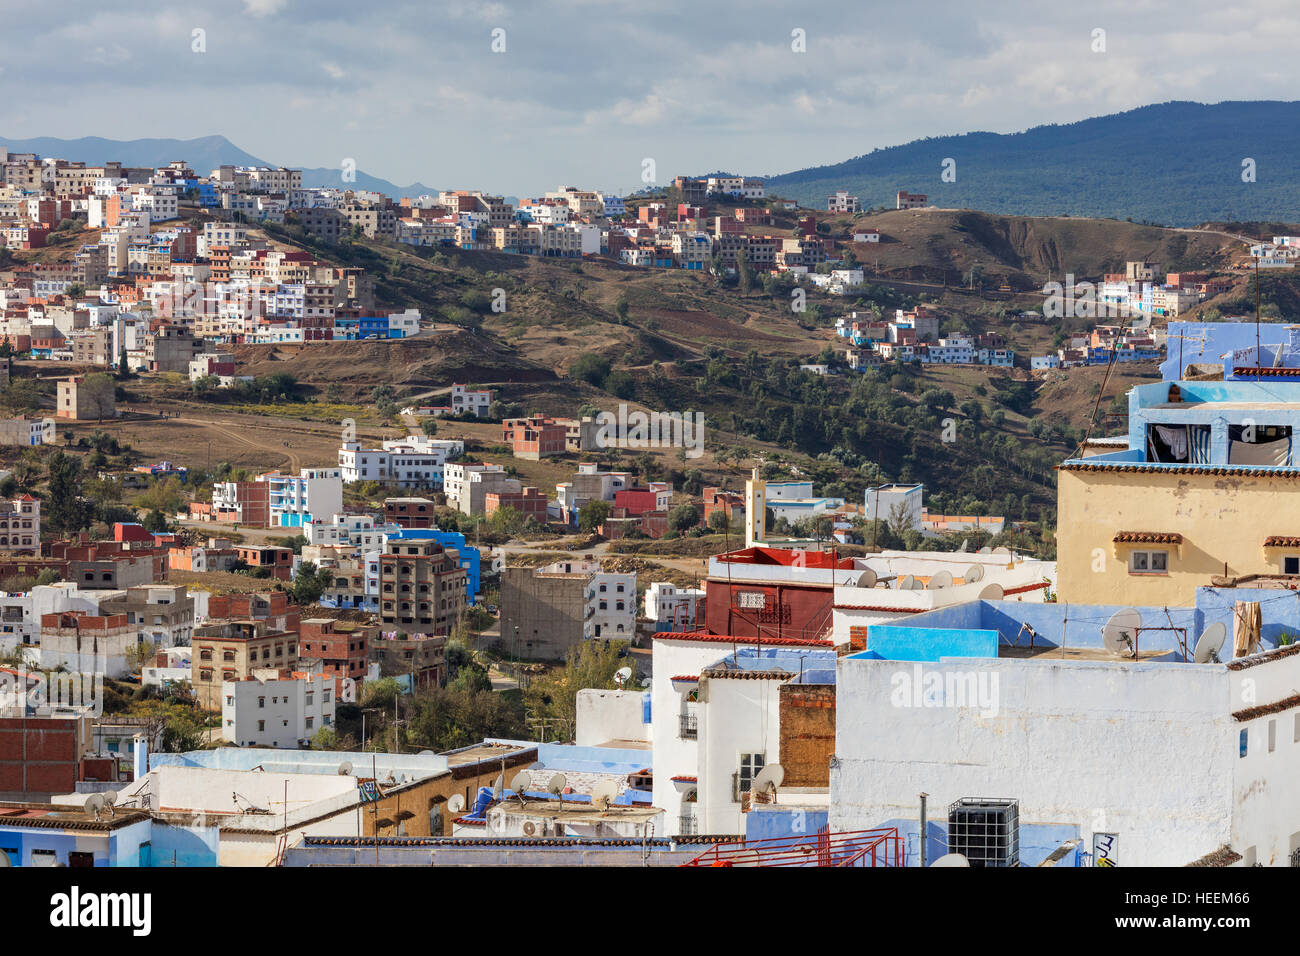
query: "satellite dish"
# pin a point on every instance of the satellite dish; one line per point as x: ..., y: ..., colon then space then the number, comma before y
x: 1210, y: 643
x: 622, y: 676
x: 556, y: 784
x: 95, y: 803
x: 951, y: 859
x: 867, y: 579
x: 521, y: 782
x: 907, y: 583
x: 456, y: 804
x: 498, y: 785
x: 943, y: 579
x: 768, y: 779
x: 426, y: 753
x: 345, y: 768
x: 974, y: 573
x: 985, y: 550
x: 110, y: 798
x: 1005, y: 551
x: 1119, y: 634
x: 5, y: 862
x: 603, y: 794
x: 991, y: 592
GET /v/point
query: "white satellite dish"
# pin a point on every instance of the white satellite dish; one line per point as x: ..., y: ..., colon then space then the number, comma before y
x: 426, y: 753
x: 345, y: 768
x: 498, y: 785
x: 603, y: 794
x: 917, y: 585
x: 939, y: 580
x: 985, y: 550
x: 1210, y: 643
x: 907, y: 583
x: 110, y: 798
x: 556, y: 784
x: 1004, y: 551
x: 1120, y: 633
x: 5, y: 862
x: 95, y: 803
x: 456, y: 804
x: 622, y: 676
x: 521, y: 782
x: 768, y: 779
x: 992, y: 592
x: 951, y: 859
x: 974, y: 573
x: 867, y: 579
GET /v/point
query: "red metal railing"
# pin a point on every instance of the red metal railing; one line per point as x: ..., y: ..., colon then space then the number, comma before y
x: 880, y: 847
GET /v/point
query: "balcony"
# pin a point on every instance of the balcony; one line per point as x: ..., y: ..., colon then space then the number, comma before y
x: 689, y: 727
x: 688, y: 825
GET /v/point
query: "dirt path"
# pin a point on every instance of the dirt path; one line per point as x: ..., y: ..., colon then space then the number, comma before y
x: 242, y: 438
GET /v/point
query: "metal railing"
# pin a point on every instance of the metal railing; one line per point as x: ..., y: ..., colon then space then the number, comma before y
x: 688, y: 825
x: 689, y: 726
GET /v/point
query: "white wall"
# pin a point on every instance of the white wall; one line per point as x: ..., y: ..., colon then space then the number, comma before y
x: 1144, y: 750
x: 605, y: 715
x: 736, y: 716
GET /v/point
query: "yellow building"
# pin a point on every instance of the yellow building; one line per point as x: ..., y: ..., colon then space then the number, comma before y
x: 1208, y: 486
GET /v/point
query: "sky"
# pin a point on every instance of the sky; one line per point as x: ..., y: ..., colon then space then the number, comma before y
x: 584, y: 91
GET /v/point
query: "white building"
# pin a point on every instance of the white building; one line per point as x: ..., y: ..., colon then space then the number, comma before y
x: 177, y: 669
x: 349, y: 531
x: 271, y: 709
x: 467, y: 401
x: 295, y: 500
x: 410, y: 462
x: 672, y: 607
x: 887, y: 502
x: 456, y: 477
x: 716, y: 719
x: 1168, y: 761
x: 611, y: 606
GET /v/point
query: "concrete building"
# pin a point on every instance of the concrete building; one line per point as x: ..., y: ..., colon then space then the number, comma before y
x: 421, y: 658
x: 20, y: 525
x: 341, y: 647
x: 422, y: 588
x: 243, y: 632
x: 546, y: 611
x: 275, y: 708
x: 25, y: 431
x: 86, y: 398
x: 87, y: 643
x: 894, y: 504
x: 413, y: 512
x: 536, y: 437
x: 162, y: 614
x: 672, y: 608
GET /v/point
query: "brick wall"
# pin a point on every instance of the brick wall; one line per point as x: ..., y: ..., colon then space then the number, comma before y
x: 807, y: 733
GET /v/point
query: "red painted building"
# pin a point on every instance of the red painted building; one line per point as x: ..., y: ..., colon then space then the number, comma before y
x: 769, y: 594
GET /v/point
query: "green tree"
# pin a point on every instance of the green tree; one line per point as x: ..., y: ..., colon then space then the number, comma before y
x: 591, y: 368
x: 593, y: 514
x: 429, y: 426
x: 310, y: 583
x: 683, y: 517
x: 592, y: 664
x: 66, y: 510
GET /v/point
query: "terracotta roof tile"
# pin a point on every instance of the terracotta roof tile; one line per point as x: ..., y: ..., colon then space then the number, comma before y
x: 1148, y: 537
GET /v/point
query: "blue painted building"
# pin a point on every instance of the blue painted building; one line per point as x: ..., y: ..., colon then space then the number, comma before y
x: 471, y: 559
x: 37, y: 834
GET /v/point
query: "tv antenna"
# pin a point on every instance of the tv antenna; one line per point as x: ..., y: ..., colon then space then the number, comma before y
x: 951, y: 859
x: 768, y: 779
x: 520, y: 783
x: 556, y: 785
x: 1120, y: 633
x: 94, y: 803
x: 1210, y: 643
x: 603, y: 795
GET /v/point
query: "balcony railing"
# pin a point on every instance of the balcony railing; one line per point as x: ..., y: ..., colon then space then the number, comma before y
x: 690, y: 726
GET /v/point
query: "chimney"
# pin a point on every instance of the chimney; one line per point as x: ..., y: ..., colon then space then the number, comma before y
x: 140, y: 748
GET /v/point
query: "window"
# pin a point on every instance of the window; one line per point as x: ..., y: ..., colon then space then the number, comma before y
x: 750, y: 765
x: 1291, y: 564
x: 1148, y: 562
x: 261, y: 726
x: 261, y: 702
x: 1243, y: 742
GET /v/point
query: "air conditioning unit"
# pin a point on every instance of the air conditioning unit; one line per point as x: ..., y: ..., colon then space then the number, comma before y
x: 985, y: 830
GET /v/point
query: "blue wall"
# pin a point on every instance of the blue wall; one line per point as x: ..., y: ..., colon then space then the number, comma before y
x: 1037, y: 840
x: 470, y: 558
x: 773, y: 822
x: 911, y: 643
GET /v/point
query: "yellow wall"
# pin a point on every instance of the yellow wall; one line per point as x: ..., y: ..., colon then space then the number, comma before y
x: 1221, y: 518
